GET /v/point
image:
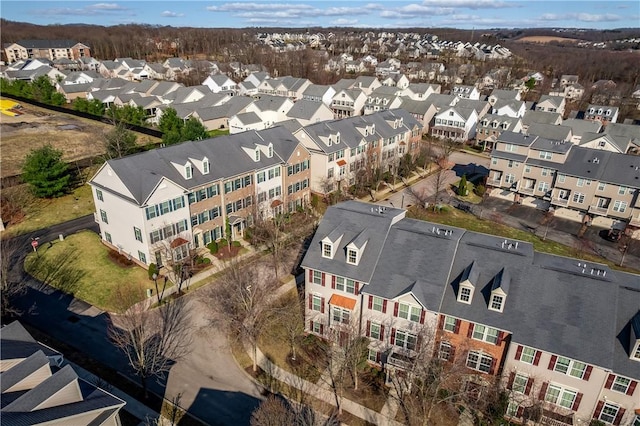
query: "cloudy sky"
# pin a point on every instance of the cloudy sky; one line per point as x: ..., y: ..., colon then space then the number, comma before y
x: 377, y: 14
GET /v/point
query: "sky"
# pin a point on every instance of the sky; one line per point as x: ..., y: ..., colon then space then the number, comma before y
x: 465, y: 14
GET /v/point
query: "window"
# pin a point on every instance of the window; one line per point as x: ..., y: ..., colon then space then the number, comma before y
x: 494, y: 161
x: 545, y: 155
x: 570, y: 367
x: 528, y: 355
x: 601, y: 186
x: 330, y: 173
x: 486, y: 334
x: 510, y: 147
x: 351, y: 286
x: 316, y: 304
x: 103, y: 216
x: 409, y: 312
x: 99, y: 195
x: 580, y: 182
x: 340, y: 315
x: 496, y: 302
x: 444, y: 351
x: 561, y: 178
x: 352, y: 256
x: 560, y: 396
x: 317, y: 277
x: 406, y: 340
x: 374, y: 331
x: 578, y: 198
x: 142, y: 257
x: 623, y: 189
x: 510, y: 178
x: 327, y: 250
x: 545, y: 172
x: 465, y: 295
x: 621, y: 384
x: 316, y: 327
x: 520, y: 383
x: 619, y: 206
x: 107, y: 236
x: 137, y: 233
x: 188, y: 172
x: 261, y: 177
x: 609, y: 412
x: 256, y: 155
x: 205, y: 166
x: 450, y: 324
x: 377, y: 304
x: 527, y: 169
x: 479, y: 361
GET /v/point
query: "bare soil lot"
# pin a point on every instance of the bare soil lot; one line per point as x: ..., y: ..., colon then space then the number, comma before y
x: 546, y: 39
x: 76, y: 137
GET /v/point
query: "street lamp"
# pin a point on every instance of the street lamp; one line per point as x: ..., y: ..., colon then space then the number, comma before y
x: 155, y: 281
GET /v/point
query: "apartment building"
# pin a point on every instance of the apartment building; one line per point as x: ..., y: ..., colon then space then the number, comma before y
x: 46, y: 49
x: 342, y: 148
x: 586, y: 184
x: 499, y: 311
x: 155, y: 205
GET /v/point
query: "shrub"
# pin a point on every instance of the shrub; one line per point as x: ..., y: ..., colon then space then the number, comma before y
x: 213, y: 247
x: 462, y: 186
x: 236, y: 244
x: 223, y: 242
x: 153, y: 269
x: 205, y: 261
x: 480, y: 190
x: 120, y: 259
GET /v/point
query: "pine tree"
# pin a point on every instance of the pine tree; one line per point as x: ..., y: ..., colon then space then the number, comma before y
x: 46, y: 173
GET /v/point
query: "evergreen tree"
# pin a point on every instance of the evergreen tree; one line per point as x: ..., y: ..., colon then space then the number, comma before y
x: 462, y: 186
x: 46, y: 173
x: 193, y: 130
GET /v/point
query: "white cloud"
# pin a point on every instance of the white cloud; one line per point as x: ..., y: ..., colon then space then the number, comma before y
x: 582, y: 17
x: 345, y: 22
x: 170, y: 14
x: 89, y: 10
x: 106, y: 6
x: 469, y: 4
x: 246, y: 7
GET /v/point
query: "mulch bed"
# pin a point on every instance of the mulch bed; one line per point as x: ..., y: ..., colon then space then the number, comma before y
x: 226, y: 252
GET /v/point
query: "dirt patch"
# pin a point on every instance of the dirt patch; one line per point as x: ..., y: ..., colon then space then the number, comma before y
x: 547, y: 39
x: 76, y: 137
x: 226, y: 252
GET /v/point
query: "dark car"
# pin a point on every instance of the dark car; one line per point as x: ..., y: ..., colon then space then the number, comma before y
x: 612, y: 235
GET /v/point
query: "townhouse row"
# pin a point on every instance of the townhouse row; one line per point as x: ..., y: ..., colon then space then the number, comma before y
x: 155, y: 206
x: 560, y: 335
x: 592, y: 184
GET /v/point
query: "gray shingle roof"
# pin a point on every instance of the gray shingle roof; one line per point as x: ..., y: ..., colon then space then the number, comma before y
x: 520, y: 139
x: 304, y: 109
x: 47, y: 44
x: 531, y: 117
x: 610, y: 167
x: 550, y: 131
x: 580, y: 127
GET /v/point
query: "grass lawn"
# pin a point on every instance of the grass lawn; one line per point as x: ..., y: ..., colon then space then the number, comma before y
x: 99, y: 275
x: 471, y: 196
x: 43, y: 212
x: 457, y: 218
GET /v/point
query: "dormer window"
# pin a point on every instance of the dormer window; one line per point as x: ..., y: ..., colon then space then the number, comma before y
x: 205, y: 166
x: 373, y: 128
x: 270, y: 150
x: 256, y: 155
x: 608, y: 112
x: 338, y: 138
x: 327, y: 250
x: 465, y: 294
x: 352, y: 256
x: 499, y: 290
x: 468, y: 282
x: 496, y: 303
x: 188, y: 171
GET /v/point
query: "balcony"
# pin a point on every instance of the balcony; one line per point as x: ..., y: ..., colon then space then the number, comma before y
x: 527, y: 191
x: 557, y: 201
x: 400, y: 358
x: 600, y: 211
x: 494, y: 182
x: 514, y: 186
x: 551, y: 418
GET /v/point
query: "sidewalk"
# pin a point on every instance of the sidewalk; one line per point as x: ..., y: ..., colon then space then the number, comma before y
x: 133, y: 406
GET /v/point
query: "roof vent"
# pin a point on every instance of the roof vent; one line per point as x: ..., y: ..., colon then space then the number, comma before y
x: 596, y: 160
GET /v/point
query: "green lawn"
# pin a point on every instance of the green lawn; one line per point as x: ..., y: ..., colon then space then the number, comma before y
x: 43, y: 212
x: 457, y: 218
x: 97, y: 275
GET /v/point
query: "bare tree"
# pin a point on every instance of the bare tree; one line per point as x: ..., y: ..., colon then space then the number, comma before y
x: 151, y: 340
x: 241, y: 302
x: 12, y: 284
x: 179, y: 258
x: 272, y: 412
x: 269, y: 229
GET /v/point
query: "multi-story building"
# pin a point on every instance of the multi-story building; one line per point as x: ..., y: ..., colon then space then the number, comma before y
x: 341, y: 149
x: 584, y: 183
x: 348, y: 103
x: 46, y: 49
x: 493, y: 307
x: 153, y: 206
x: 604, y: 114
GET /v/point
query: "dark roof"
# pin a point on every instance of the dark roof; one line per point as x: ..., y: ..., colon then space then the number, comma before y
x: 17, y: 343
x: 606, y: 166
x: 48, y: 44
x: 520, y: 139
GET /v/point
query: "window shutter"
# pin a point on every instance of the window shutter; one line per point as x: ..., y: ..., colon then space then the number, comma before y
x: 311, y: 325
x: 322, y: 305
x: 587, y: 373
x: 619, y: 416
x: 370, y: 302
x: 357, y: 288
x: 552, y: 362
x: 501, y: 337
x: 333, y: 281
x: 520, y: 412
x: 596, y: 414
x: 382, y: 332
x: 422, y: 315
x: 610, y: 380
x: 310, y: 275
x: 418, y: 343
x: 322, y: 329
x: 395, y: 309
x: 536, y: 359
x: 632, y: 387
x: 543, y: 391
x: 452, y: 354
x: 576, y: 403
x: 384, y: 306
x: 310, y: 302
x: 323, y: 277
x: 470, y: 330
x: 441, y: 322
x: 368, y: 331
x: 512, y: 377
x: 457, y: 329
x: 518, y: 352
x: 378, y: 357
x: 492, y: 370
x: 393, y: 336
x: 527, y: 388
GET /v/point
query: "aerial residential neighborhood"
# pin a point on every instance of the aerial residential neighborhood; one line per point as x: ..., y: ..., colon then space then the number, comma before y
x: 302, y: 215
